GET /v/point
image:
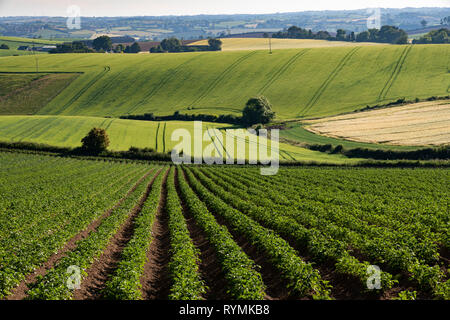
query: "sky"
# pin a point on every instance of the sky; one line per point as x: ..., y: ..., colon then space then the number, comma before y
x: 192, y: 7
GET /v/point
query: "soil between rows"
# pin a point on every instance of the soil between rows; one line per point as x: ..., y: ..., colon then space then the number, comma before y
x: 155, y: 280
x: 102, y: 268
x: 20, y: 292
x: 210, y: 268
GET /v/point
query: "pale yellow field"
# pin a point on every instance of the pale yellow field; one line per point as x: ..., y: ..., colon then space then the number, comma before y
x: 426, y: 123
x: 233, y: 44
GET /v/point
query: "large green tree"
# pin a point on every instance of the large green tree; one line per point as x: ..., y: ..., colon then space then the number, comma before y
x: 102, y: 43
x: 257, y: 110
x: 96, y: 141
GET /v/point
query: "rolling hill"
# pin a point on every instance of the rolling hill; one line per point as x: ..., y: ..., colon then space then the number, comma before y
x: 300, y: 83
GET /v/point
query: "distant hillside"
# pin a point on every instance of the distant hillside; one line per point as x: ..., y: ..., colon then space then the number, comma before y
x: 309, y: 82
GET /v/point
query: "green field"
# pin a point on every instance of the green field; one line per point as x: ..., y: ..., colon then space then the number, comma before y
x: 14, y: 42
x: 299, y: 83
x: 313, y: 232
x: 67, y: 131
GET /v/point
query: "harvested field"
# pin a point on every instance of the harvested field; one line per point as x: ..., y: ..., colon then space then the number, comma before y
x: 233, y: 44
x: 420, y: 124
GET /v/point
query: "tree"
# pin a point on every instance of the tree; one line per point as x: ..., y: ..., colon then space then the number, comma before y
x: 102, y: 43
x: 135, y: 48
x: 119, y: 48
x: 171, y: 45
x: 215, y: 44
x: 424, y: 23
x: 96, y: 141
x: 4, y: 46
x: 341, y: 35
x: 257, y: 110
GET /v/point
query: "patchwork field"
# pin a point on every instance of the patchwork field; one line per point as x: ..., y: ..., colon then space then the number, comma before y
x: 29, y: 92
x: 300, y: 83
x: 231, y: 44
x: 422, y: 124
x: 137, y: 231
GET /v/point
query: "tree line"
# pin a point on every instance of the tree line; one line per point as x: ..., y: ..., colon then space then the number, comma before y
x: 387, y: 34
x: 175, y: 45
x: 435, y: 36
x: 101, y: 44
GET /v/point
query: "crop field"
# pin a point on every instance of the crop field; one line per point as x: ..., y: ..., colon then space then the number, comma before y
x: 232, y: 44
x: 297, y: 134
x: 62, y: 131
x: 300, y: 83
x: 29, y: 92
x: 426, y: 123
x: 149, y: 231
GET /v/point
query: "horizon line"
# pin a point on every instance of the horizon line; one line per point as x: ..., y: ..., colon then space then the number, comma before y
x: 223, y: 14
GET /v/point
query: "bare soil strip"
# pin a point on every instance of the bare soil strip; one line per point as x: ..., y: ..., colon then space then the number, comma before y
x: 19, y: 293
x: 102, y: 269
x: 155, y: 280
x: 209, y: 266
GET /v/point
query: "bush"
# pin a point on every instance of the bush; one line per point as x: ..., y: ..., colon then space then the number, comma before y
x: 4, y: 46
x: 96, y: 141
x: 257, y: 110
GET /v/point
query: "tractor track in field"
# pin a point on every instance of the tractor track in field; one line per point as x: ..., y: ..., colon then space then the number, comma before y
x: 277, y: 75
x: 221, y: 76
x: 164, y: 137
x: 395, y: 73
x: 169, y: 75
x: 103, y: 267
x: 20, y: 292
x: 214, y: 142
x: 221, y: 143
x: 318, y: 94
x: 108, y: 84
x: 155, y: 280
x: 156, y: 136
x: 106, y: 69
x: 209, y: 266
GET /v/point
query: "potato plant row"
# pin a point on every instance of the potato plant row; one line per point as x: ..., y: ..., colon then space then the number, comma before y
x: 76, y: 204
x: 53, y: 286
x: 413, y: 256
x: 243, y: 281
x: 300, y: 276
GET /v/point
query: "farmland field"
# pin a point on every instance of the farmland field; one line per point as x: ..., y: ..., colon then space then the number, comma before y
x: 67, y: 131
x: 233, y: 44
x: 299, y: 83
x: 426, y: 123
x: 203, y: 231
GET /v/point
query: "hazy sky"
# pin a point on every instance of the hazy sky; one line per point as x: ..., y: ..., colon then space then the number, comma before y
x: 189, y: 7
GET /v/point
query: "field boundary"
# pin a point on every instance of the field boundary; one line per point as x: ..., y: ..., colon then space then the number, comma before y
x: 85, y: 88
